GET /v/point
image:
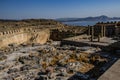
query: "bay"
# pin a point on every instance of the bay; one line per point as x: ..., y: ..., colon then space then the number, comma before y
x: 86, y: 23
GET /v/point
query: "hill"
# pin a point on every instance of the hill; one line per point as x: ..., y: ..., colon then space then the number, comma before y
x: 97, y: 18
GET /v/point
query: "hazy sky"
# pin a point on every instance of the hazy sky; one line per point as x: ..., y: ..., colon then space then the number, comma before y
x: 22, y: 9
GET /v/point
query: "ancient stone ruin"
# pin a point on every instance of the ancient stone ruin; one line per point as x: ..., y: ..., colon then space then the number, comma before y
x: 23, y: 35
x: 49, y: 50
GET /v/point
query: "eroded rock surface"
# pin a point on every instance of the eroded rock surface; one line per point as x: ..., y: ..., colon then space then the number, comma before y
x: 36, y: 62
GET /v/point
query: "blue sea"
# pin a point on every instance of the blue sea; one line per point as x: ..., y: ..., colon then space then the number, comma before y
x: 85, y: 23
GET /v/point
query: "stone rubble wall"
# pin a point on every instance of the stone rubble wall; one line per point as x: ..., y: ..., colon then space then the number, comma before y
x: 19, y: 36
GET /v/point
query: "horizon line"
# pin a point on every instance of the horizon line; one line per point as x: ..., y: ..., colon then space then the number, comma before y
x: 52, y: 18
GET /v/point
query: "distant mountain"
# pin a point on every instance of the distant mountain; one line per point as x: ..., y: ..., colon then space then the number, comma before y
x: 98, y: 18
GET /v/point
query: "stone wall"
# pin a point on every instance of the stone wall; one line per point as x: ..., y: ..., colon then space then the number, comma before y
x: 19, y: 36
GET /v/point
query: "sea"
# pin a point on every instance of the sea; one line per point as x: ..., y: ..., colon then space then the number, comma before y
x: 86, y: 23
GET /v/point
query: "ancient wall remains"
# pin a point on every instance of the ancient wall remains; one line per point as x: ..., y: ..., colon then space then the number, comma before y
x: 22, y: 35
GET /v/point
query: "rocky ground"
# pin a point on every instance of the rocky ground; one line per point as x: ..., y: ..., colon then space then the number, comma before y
x: 36, y: 62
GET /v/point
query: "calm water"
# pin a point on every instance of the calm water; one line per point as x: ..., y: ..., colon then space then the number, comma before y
x: 85, y: 23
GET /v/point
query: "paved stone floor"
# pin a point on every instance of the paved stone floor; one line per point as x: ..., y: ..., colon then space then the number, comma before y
x: 103, y: 41
x: 113, y: 73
